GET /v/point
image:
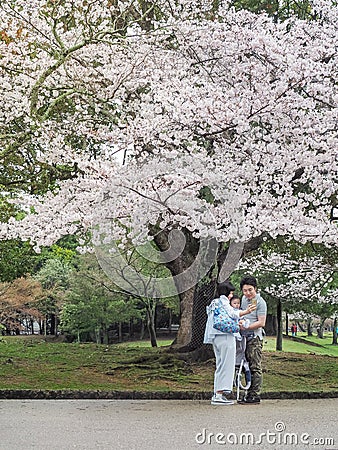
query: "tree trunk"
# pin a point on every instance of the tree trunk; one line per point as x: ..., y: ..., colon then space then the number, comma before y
x: 184, y: 333
x: 279, y: 340
x: 142, y: 330
x: 202, y: 297
x: 271, y: 325
x: 105, y: 336
x: 320, y: 332
x: 52, y: 324
x: 98, y: 335
x: 301, y: 327
x: 151, y: 324
x: 131, y: 328
x: 309, y: 326
x: 170, y: 320
x: 287, y: 324
x: 119, y: 327
x: 177, y: 267
x: 334, y: 337
x: 320, y: 329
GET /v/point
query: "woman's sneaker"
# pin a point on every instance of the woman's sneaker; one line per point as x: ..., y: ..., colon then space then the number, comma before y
x: 221, y: 399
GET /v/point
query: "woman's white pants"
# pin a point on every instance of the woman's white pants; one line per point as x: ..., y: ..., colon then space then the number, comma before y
x: 225, y: 352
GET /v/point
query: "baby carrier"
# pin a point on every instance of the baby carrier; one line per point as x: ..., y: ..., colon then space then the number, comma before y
x: 242, y: 379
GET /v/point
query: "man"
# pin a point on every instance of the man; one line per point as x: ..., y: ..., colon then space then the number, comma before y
x: 254, y: 334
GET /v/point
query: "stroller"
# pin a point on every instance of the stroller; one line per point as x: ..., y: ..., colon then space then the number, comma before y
x: 242, y: 371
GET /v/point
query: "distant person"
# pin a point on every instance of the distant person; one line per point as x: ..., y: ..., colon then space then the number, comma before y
x: 254, y: 344
x: 294, y: 329
x: 224, y: 345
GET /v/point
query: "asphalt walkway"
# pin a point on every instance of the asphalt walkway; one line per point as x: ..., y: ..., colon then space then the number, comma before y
x: 167, y: 425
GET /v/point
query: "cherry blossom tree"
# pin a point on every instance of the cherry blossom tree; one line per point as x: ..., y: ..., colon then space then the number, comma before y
x: 226, y: 121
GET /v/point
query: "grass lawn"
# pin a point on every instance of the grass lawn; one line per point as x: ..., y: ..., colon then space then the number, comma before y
x: 290, y: 345
x: 28, y: 362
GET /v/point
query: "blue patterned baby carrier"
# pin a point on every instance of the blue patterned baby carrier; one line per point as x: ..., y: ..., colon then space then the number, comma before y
x: 222, y: 321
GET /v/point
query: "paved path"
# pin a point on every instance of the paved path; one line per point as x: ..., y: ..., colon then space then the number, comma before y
x: 167, y: 425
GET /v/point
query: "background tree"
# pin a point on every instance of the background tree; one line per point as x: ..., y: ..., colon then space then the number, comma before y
x: 17, y: 258
x: 137, y: 273
x: 92, y: 306
x: 54, y: 279
x: 18, y: 304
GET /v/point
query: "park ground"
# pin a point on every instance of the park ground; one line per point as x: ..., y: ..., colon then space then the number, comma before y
x: 36, y: 363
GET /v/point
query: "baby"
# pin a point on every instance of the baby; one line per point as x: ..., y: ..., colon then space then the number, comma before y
x: 235, y: 302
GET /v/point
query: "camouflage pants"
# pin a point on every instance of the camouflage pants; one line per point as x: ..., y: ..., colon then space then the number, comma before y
x: 254, y: 356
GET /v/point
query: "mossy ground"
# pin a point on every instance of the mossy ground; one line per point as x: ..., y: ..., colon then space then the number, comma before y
x: 29, y: 362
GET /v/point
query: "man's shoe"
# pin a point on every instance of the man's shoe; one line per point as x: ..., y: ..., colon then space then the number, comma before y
x: 250, y: 400
x: 221, y: 399
x: 229, y: 395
